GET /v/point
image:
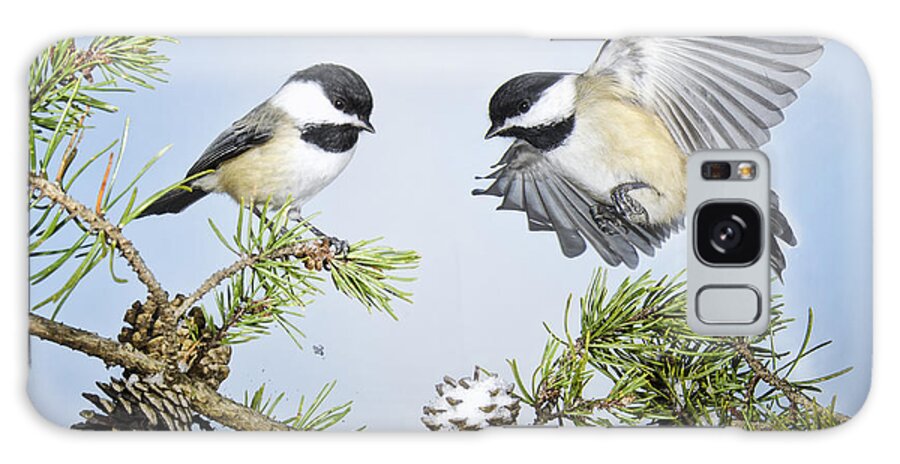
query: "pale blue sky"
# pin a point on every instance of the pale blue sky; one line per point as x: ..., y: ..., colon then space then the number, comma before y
x: 486, y: 284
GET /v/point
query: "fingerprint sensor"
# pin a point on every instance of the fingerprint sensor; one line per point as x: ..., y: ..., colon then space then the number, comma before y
x: 728, y: 304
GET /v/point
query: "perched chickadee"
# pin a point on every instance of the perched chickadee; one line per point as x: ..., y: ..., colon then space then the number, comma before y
x: 601, y: 155
x: 288, y: 148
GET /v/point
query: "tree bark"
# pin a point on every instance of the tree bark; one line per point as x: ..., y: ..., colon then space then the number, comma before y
x: 203, y: 398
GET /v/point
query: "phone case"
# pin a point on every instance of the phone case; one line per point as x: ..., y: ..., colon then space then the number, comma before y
x: 437, y: 277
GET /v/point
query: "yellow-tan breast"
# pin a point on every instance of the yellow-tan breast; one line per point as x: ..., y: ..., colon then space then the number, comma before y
x: 284, y: 168
x: 630, y: 143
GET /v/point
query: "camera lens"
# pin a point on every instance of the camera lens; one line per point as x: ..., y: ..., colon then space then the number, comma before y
x: 728, y: 233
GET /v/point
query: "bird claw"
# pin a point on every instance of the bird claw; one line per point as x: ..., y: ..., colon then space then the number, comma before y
x: 607, y: 218
x: 626, y: 206
x: 612, y: 217
x: 341, y: 247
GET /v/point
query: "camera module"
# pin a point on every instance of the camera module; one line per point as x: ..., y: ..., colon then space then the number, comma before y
x: 728, y: 233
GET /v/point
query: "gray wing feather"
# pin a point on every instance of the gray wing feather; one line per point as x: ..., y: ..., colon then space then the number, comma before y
x: 527, y: 183
x: 712, y: 92
x: 570, y: 241
x: 534, y: 207
x: 613, y: 252
x: 781, y: 229
x: 254, y: 129
x: 515, y: 196
x: 779, y: 223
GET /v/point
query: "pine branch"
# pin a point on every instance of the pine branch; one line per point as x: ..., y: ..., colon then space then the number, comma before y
x: 796, y: 398
x: 99, y: 224
x: 273, y: 245
x: 663, y: 373
x: 316, y: 251
x: 109, y: 351
x: 203, y: 398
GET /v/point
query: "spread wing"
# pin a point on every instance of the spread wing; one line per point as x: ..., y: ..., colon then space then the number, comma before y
x: 711, y: 92
x: 254, y: 129
x: 527, y: 183
x: 715, y: 92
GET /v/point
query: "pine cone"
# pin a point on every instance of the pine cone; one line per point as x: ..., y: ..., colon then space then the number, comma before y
x: 198, y: 353
x: 471, y: 403
x: 189, y: 348
x: 139, y: 319
x: 139, y: 404
x: 145, y: 331
x: 147, y: 403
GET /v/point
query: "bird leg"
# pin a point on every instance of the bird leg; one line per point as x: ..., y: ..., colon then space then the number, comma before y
x: 341, y: 247
x: 611, y: 217
x: 627, y: 207
x: 259, y: 214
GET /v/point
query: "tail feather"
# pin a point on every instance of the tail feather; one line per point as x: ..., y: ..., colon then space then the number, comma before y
x: 173, y: 201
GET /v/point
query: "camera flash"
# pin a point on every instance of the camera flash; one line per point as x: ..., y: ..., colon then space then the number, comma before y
x: 746, y: 170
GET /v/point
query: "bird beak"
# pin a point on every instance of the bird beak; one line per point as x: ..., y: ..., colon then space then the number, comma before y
x: 367, y: 126
x: 494, y: 131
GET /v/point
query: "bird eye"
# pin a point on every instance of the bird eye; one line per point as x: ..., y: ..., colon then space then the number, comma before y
x: 339, y: 103
x: 524, y: 106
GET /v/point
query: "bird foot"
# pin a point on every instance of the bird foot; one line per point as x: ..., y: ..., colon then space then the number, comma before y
x: 612, y: 217
x: 341, y: 247
x: 627, y: 207
x: 607, y: 218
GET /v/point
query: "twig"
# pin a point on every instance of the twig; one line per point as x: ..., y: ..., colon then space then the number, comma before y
x: 644, y: 313
x: 204, y: 399
x: 113, y: 233
x: 794, y: 396
x: 318, y: 250
x: 790, y: 392
x: 608, y: 404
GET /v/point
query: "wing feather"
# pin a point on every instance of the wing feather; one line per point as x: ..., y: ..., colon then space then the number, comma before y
x: 252, y: 130
x: 527, y: 183
x: 515, y: 196
x: 712, y: 92
x: 534, y: 207
x: 570, y: 241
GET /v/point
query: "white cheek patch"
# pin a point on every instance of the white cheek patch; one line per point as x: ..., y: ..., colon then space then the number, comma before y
x: 307, y: 103
x: 554, y: 105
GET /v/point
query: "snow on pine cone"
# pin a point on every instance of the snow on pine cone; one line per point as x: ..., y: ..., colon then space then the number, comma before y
x: 471, y: 403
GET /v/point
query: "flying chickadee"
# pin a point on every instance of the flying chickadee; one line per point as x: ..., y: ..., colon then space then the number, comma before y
x: 288, y: 148
x: 601, y: 155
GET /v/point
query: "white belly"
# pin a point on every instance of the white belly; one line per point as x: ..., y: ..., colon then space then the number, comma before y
x: 588, y: 169
x: 292, y: 170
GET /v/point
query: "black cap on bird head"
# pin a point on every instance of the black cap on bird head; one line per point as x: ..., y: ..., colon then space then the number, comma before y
x: 516, y: 97
x: 345, y: 88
